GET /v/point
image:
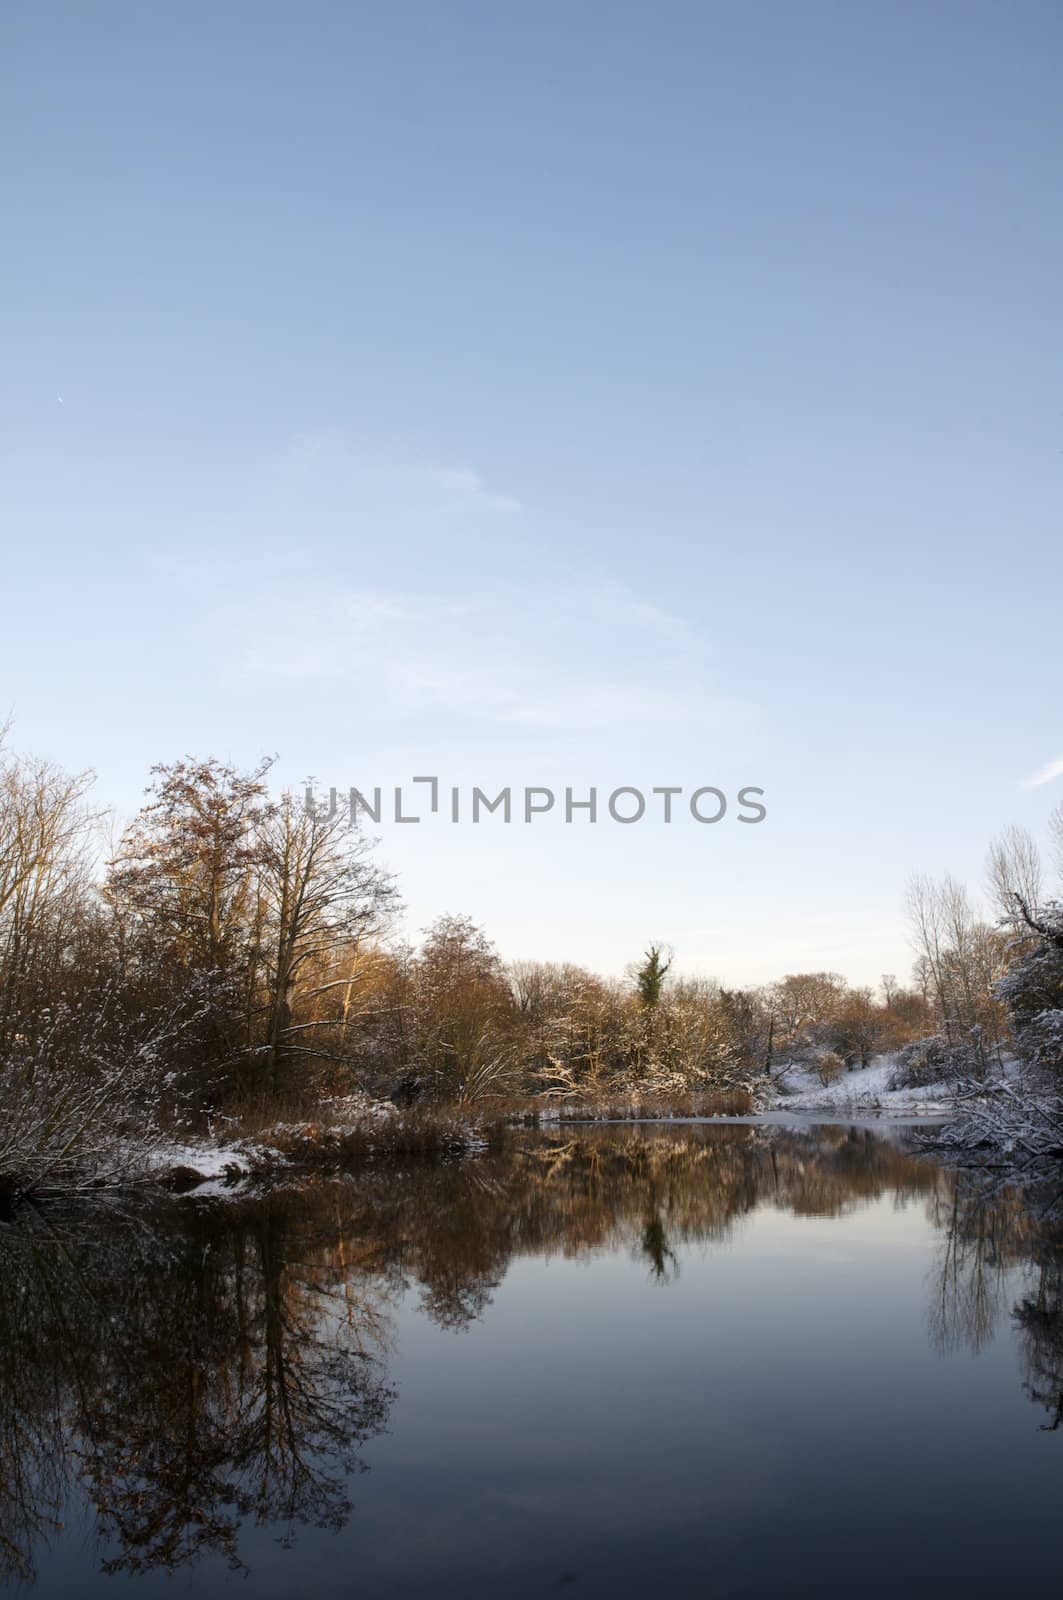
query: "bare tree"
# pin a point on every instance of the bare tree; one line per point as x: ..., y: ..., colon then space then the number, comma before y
x: 321, y: 898
x: 927, y: 922
x: 45, y: 874
x: 961, y: 959
x: 1055, y: 828
x: 185, y: 869
x: 1014, y: 875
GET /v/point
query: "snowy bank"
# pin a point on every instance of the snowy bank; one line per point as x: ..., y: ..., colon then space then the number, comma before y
x: 866, y: 1089
x: 353, y: 1129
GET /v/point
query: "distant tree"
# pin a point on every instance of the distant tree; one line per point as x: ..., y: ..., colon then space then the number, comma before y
x: 856, y: 1029
x: 754, y: 1020
x: 959, y: 960
x: 907, y: 1015
x: 650, y: 977
x: 803, y: 1003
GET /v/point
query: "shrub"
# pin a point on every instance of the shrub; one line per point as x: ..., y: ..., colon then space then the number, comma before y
x: 829, y: 1067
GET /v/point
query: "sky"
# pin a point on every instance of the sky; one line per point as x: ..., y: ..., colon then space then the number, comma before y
x: 551, y: 394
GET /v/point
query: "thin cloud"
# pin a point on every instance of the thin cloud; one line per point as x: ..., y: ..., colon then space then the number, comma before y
x: 1046, y: 774
x: 463, y: 481
x: 335, y: 471
x: 506, y: 659
x: 519, y: 642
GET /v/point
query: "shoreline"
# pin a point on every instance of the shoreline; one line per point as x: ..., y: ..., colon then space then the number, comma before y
x: 218, y: 1168
x: 962, y: 1125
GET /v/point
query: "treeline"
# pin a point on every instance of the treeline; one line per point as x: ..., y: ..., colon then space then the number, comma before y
x: 233, y: 950
x: 453, y: 1015
x: 236, y: 946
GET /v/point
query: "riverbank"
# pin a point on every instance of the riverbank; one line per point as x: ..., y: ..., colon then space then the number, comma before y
x: 1007, y: 1124
x: 358, y: 1130
x: 874, y: 1088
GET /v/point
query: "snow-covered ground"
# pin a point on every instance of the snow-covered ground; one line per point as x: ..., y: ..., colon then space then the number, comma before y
x: 867, y: 1089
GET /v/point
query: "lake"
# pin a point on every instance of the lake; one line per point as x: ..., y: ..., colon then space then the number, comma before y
x: 701, y: 1359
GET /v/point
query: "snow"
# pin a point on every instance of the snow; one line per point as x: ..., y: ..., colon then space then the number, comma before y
x: 219, y: 1166
x: 206, y: 1159
x: 356, y: 1110
x: 209, y: 1160
x: 867, y: 1088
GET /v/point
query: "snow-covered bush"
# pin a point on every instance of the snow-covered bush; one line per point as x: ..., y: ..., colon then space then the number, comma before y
x: 1032, y: 989
x: 1021, y: 1120
x: 933, y: 1060
x: 79, y: 1100
x: 1042, y: 1039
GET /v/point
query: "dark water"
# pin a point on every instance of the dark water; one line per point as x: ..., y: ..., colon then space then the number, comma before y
x: 684, y: 1360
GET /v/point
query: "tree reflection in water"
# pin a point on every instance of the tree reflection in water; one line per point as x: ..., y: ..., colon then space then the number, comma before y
x: 197, y: 1365
x: 191, y: 1369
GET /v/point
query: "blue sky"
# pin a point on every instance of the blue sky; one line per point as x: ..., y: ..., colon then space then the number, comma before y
x: 596, y: 393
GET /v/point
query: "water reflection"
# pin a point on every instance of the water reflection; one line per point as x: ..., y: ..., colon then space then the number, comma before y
x: 194, y: 1368
x: 189, y: 1371
x: 1040, y: 1317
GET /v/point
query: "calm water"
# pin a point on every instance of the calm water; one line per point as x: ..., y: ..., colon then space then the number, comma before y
x: 691, y: 1360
